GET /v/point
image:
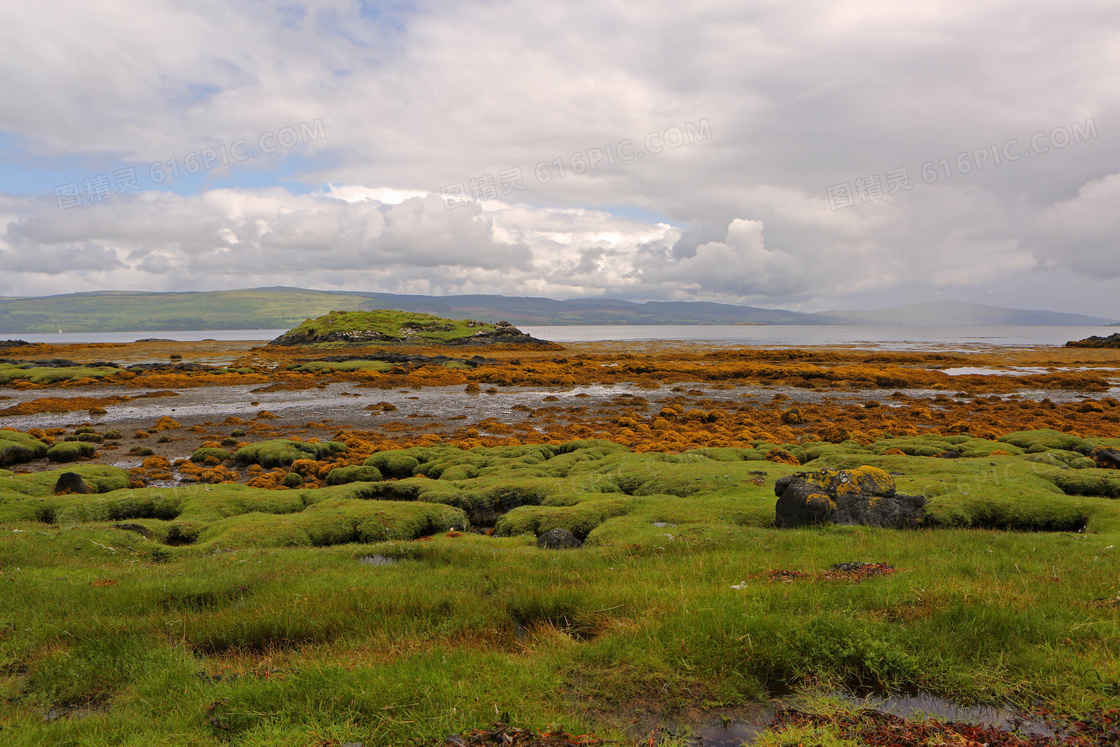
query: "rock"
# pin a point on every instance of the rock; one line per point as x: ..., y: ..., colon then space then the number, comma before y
x: 558, y: 539
x: 845, y: 496
x: 71, y: 482
x: 1112, y: 341
x: 1105, y: 457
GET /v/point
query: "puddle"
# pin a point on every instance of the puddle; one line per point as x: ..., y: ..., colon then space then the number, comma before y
x: 1019, y: 370
x: 733, y: 735
x: 924, y: 705
x: 377, y: 560
x: 746, y: 729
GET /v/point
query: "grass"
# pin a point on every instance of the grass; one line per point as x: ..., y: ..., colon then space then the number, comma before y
x: 244, y: 616
x: 387, y: 324
x: 10, y: 372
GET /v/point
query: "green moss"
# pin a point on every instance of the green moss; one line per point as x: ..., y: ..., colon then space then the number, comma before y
x: 282, y: 452
x: 335, y: 521
x: 320, y: 366
x: 51, y: 375
x: 70, y: 451
x: 356, y: 473
x: 580, y: 519
x: 385, y: 324
x: 17, y: 448
x: 201, y: 455
x: 1047, y: 439
x: 395, y: 464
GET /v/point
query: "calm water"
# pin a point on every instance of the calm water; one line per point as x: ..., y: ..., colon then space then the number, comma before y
x: 897, y: 338
x: 893, y: 338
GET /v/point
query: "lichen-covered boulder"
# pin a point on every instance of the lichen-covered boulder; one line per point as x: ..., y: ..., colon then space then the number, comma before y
x: 865, y: 495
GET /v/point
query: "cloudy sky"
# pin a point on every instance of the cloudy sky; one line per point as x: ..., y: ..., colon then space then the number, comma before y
x: 804, y: 155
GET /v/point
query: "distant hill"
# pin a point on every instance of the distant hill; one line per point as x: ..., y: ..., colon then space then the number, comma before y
x: 282, y: 308
x: 955, y: 313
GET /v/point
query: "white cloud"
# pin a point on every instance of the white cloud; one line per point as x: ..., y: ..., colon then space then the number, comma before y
x: 799, y: 96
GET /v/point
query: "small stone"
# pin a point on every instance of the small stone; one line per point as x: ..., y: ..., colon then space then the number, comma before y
x: 558, y: 539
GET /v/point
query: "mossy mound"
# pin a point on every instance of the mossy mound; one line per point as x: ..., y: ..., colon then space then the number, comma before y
x: 211, y: 452
x: 1045, y: 439
x: 395, y: 327
x: 16, y: 448
x: 38, y: 373
x: 282, y: 452
x: 396, y: 464
x: 356, y: 473
x: 70, y: 451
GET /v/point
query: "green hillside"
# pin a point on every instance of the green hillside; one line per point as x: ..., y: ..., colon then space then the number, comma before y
x: 119, y: 311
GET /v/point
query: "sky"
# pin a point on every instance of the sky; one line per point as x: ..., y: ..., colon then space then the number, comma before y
x: 848, y: 154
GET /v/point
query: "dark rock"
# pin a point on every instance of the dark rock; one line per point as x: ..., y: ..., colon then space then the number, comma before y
x: 1094, y: 341
x: 863, y: 496
x: 949, y: 454
x: 1105, y: 457
x: 558, y: 539
x: 71, y: 482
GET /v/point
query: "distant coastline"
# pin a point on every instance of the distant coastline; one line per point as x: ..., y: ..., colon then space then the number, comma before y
x: 284, y: 308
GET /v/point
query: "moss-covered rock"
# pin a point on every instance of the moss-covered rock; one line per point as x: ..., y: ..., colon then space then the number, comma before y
x: 70, y: 451
x: 1047, y: 438
x: 356, y: 473
x: 395, y: 464
x: 282, y: 452
x: 208, y: 452
x: 17, y: 448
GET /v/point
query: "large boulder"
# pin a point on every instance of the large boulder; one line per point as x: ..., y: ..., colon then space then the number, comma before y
x: 71, y: 482
x: 865, y: 495
x: 1105, y: 457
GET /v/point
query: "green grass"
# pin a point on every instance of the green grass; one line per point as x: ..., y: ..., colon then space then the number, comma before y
x: 320, y: 366
x: 16, y: 448
x: 391, y: 324
x: 245, y: 616
x: 10, y: 372
x: 282, y: 452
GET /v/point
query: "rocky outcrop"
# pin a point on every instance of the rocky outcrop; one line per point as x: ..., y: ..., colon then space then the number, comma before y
x: 864, y: 496
x: 1112, y: 341
x: 71, y: 482
x: 503, y: 332
x: 1105, y: 457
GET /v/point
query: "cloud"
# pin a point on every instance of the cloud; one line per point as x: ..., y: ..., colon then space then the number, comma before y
x: 794, y: 97
x: 1083, y: 233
